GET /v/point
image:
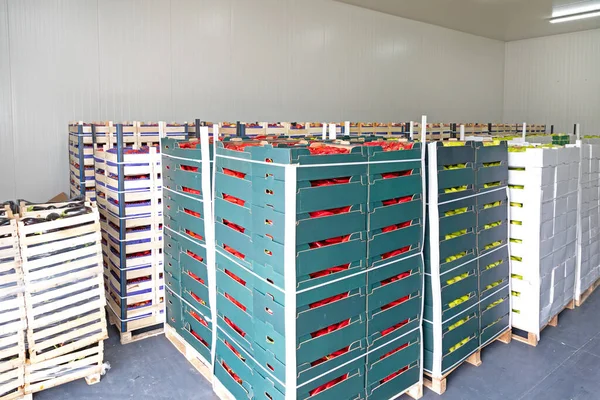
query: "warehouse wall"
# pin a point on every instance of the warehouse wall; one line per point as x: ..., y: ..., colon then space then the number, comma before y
x: 63, y: 60
x: 554, y: 80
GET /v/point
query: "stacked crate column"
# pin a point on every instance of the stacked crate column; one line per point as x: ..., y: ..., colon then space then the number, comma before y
x: 188, y: 228
x: 12, y: 311
x: 491, y: 179
x: 133, y: 185
x: 395, y: 268
x: 300, y: 330
x: 64, y: 296
x: 451, y: 326
x: 81, y: 161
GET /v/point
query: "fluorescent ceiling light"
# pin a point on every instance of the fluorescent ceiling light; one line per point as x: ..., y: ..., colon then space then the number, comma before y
x: 564, y: 8
x: 575, y: 17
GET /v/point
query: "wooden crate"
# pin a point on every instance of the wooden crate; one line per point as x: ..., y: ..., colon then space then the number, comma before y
x: 12, y: 343
x: 64, y: 288
x: 85, y: 363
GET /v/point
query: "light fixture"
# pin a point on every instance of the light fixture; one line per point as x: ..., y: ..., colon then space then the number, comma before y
x: 575, y: 17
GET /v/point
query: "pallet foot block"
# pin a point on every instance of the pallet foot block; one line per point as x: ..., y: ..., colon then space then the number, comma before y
x: 467, y: 302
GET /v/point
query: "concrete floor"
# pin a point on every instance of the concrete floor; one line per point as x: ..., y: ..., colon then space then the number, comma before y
x: 565, y: 365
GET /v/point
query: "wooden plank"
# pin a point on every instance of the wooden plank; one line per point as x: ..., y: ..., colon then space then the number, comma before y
x: 191, y: 355
x: 587, y: 293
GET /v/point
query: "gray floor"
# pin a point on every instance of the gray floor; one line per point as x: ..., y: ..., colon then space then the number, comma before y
x: 565, y: 365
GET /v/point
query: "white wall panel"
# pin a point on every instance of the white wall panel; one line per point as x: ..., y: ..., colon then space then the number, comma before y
x: 229, y: 60
x: 135, y: 59
x: 7, y: 160
x: 54, y: 70
x: 554, y: 80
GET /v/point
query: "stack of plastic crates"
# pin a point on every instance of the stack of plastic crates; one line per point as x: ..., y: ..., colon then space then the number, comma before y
x: 319, y: 270
x: 130, y: 202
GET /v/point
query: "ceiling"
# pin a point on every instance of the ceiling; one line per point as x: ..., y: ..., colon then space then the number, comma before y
x: 496, y: 19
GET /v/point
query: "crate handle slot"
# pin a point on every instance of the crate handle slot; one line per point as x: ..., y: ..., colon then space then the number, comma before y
x: 268, y: 310
x: 270, y: 340
x: 269, y: 192
x: 268, y: 252
x: 268, y: 222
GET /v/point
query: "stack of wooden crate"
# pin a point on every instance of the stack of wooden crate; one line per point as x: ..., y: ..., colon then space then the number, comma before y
x: 129, y: 198
x: 12, y: 311
x: 64, y: 296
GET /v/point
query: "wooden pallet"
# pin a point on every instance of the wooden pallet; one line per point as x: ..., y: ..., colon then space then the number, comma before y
x: 531, y: 338
x: 587, y: 293
x: 438, y: 385
x: 198, y: 362
x: 139, y: 329
x: 85, y: 363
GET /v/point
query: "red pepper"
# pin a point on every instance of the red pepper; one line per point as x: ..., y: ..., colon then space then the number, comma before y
x: 192, y: 213
x: 235, y: 277
x: 397, y: 200
x: 195, y: 277
x: 330, y: 328
x: 394, y: 303
x: 237, y: 353
x: 231, y: 172
x: 329, y: 242
x: 395, y: 227
x: 233, y: 374
x: 234, y: 301
x: 390, y: 145
x: 395, y: 278
x: 328, y: 300
x: 198, y: 318
x: 392, y: 376
x: 193, y: 234
x: 329, y: 182
x: 234, y: 226
x: 394, y: 327
x: 233, y: 251
x: 139, y: 254
x: 330, y: 356
x: 329, y: 271
x: 198, y: 299
x: 388, y: 175
x: 331, y: 211
x: 240, y: 146
x: 233, y: 200
x: 235, y: 327
x: 194, y: 255
x: 188, y: 168
x: 328, y: 385
x: 395, y: 253
x: 190, y: 190
x: 389, y: 353
x: 326, y: 150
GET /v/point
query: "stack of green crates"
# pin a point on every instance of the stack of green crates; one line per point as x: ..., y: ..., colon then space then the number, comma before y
x: 334, y: 311
x: 187, y: 276
x: 561, y: 139
x: 466, y: 251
